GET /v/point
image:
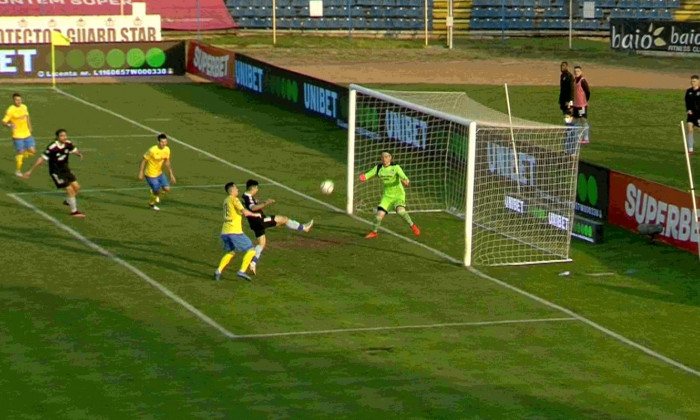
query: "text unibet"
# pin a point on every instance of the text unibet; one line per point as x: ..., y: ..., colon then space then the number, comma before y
x: 210, y: 65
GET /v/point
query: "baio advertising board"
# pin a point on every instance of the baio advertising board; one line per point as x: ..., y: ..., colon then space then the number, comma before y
x: 93, y: 60
x: 654, y: 35
x: 80, y: 29
x: 635, y: 201
x: 212, y: 63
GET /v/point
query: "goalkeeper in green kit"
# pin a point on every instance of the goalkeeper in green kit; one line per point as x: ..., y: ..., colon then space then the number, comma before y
x: 393, y: 196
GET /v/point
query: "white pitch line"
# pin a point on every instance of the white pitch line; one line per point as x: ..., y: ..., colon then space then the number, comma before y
x: 167, y: 292
x: 590, y: 323
x: 99, y: 190
x: 522, y: 292
x: 406, y: 327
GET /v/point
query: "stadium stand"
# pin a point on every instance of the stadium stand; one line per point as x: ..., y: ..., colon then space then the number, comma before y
x: 379, y: 15
x: 543, y: 15
x: 482, y: 15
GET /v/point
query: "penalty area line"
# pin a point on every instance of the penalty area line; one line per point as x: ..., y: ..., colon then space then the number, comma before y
x: 145, y: 277
x: 434, y: 251
x: 405, y: 327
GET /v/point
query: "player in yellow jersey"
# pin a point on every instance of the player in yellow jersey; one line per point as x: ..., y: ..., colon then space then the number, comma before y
x: 17, y: 119
x: 152, y: 168
x: 232, y: 233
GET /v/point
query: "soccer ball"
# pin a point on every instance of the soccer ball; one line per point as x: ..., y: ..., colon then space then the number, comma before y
x: 327, y: 186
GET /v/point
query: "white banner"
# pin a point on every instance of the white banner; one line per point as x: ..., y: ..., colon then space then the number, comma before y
x: 80, y: 29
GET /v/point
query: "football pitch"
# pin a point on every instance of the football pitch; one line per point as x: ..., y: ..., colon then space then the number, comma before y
x: 117, y: 315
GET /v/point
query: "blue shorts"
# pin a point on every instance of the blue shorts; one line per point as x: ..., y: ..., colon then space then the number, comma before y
x: 24, y: 144
x: 236, y: 242
x: 158, y: 183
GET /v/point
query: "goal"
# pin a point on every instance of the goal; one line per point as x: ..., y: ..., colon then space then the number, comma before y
x: 511, y: 186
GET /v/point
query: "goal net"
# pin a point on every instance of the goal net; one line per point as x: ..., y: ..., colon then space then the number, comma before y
x: 512, y: 185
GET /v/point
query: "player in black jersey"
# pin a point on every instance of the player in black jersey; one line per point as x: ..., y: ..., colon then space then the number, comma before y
x: 57, y: 154
x: 692, y: 108
x: 259, y: 224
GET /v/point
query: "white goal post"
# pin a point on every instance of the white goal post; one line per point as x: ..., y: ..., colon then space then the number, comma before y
x: 461, y: 157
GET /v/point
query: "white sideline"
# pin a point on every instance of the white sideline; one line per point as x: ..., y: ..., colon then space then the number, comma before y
x: 482, y: 275
x: 407, y: 327
x: 167, y: 292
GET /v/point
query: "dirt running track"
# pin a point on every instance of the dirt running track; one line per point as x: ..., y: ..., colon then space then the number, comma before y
x: 478, y: 72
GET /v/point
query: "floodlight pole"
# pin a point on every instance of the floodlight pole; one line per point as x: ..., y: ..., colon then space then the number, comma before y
x: 425, y: 17
x: 349, y: 20
x: 274, y: 22
x: 571, y: 20
x: 503, y: 21
x: 450, y: 22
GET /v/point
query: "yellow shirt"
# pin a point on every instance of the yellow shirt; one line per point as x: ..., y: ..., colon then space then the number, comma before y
x: 155, y: 156
x: 233, y: 209
x: 19, y: 117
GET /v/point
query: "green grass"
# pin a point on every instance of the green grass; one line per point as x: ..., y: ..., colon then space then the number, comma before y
x: 83, y: 337
x: 357, y: 48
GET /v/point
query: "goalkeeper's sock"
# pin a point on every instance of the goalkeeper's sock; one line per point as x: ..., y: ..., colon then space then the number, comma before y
x: 73, y: 204
x: 247, y: 258
x: 404, y: 215
x: 586, y: 132
x: 377, y: 222
x: 258, y: 253
x: 225, y: 260
x: 294, y: 225
x: 19, y: 160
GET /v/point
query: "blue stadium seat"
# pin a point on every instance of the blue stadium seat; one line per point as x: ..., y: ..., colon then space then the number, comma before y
x: 556, y: 12
x: 548, y: 24
x: 519, y: 24
x: 494, y: 12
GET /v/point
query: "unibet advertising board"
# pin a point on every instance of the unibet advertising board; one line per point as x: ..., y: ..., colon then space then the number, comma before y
x: 291, y: 89
x: 93, y: 60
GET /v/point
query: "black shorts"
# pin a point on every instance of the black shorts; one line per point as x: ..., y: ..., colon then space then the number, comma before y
x: 259, y: 225
x: 581, y: 112
x: 63, y: 178
x: 565, y: 108
x: 693, y: 119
